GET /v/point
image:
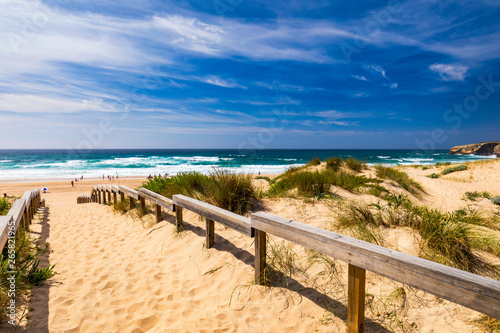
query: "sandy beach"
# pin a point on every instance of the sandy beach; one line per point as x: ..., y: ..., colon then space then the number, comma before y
x: 121, y: 273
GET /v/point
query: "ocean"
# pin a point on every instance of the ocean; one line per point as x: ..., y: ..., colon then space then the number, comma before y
x: 63, y: 164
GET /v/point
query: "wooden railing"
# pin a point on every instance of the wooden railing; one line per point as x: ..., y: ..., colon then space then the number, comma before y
x: 22, y: 210
x: 471, y: 290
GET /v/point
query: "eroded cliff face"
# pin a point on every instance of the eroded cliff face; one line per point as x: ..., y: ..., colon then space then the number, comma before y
x: 483, y: 149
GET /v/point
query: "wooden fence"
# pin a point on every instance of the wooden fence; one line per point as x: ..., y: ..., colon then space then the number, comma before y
x: 22, y: 210
x: 471, y: 290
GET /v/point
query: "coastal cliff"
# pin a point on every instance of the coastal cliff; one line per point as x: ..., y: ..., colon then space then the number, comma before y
x: 483, y: 149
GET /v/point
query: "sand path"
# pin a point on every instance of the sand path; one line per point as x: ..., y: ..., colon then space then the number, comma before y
x: 115, y: 275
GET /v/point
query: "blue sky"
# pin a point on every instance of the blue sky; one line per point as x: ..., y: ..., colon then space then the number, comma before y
x: 249, y: 74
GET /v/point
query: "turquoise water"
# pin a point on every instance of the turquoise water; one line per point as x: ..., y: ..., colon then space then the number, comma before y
x: 62, y: 164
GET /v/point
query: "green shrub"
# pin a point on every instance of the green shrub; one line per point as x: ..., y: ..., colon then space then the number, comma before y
x: 355, y: 165
x: 442, y: 163
x: 315, y: 161
x: 496, y: 200
x: 433, y: 175
x: 454, y: 169
x: 4, y: 206
x: 333, y: 163
x: 426, y: 167
x: 399, y: 177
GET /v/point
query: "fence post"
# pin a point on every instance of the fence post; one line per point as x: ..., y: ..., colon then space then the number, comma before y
x: 109, y: 196
x: 104, y: 196
x: 260, y: 256
x: 178, y: 217
x: 114, y: 196
x: 143, y: 203
x: 158, y: 213
x: 356, y: 300
x: 210, y: 229
x: 131, y: 203
x: 122, y: 196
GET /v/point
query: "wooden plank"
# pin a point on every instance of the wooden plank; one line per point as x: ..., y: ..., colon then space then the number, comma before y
x: 210, y: 230
x: 219, y: 215
x: 356, y: 299
x: 260, y: 256
x: 129, y: 192
x: 5, y: 222
x: 157, y: 199
x: 17, y: 211
x: 471, y: 290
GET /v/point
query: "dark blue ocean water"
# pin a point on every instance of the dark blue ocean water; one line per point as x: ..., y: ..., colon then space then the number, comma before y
x: 62, y: 164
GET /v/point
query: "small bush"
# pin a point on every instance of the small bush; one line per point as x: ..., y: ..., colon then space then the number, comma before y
x: 496, y: 200
x: 399, y: 177
x: 442, y: 163
x: 433, y: 175
x: 426, y: 167
x: 454, y: 169
x: 355, y: 165
x: 333, y: 163
x: 4, y: 206
x: 315, y: 161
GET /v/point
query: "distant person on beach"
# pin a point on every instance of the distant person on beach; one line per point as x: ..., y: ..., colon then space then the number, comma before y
x: 103, y: 177
x: 81, y: 178
x: 72, y: 184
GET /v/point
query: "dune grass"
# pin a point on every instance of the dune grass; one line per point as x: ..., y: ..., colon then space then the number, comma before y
x: 221, y: 188
x: 354, y: 164
x: 334, y: 163
x: 454, y: 169
x: 399, y: 177
x: 447, y: 238
x: 26, y: 274
x: 318, y: 183
x: 4, y: 206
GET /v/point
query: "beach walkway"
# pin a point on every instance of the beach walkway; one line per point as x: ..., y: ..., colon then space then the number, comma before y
x: 115, y: 275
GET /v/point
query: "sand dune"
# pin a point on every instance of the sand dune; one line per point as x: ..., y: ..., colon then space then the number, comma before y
x: 117, y: 273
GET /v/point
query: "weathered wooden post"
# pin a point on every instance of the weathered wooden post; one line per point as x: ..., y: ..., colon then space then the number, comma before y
x: 178, y: 217
x: 210, y: 229
x: 356, y: 300
x: 122, y: 196
x: 143, y: 203
x: 131, y: 203
x: 99, y: 196
x: 260, y: 256
x: 104, y: 196
x: 114, y: 196
x: 158, y: 213
x: 109, y: 196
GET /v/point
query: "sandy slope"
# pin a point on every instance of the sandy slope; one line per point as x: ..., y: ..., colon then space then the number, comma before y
x: 121, y: 274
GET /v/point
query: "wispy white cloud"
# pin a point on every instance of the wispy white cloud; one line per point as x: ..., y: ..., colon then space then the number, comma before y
x: 449, y: 72
x: 217, y: 81
x: 360, y: 77
x: 376, y: 69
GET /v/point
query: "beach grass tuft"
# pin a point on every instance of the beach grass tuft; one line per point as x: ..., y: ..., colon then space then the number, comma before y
x: 27, y: 272
x: 221, y: 188
x: 5, y: 205
x: 399, y: 177
x: 454, y: 169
